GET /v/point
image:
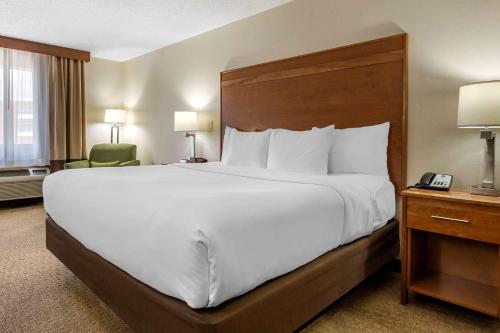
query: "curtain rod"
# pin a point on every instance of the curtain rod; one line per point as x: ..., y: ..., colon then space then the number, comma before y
x: 58, y: 51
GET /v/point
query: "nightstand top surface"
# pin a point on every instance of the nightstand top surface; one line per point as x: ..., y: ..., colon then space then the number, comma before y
x: 458, y: 195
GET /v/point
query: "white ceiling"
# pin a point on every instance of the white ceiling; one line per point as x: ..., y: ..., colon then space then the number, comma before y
x: 120, y: 29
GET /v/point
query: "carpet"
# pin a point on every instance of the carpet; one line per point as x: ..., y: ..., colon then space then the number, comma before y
x: 38, y: 294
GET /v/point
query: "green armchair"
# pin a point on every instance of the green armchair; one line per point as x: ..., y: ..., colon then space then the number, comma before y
x: 108, y: 155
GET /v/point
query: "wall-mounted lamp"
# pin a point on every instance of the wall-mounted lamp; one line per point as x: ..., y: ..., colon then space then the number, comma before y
x: 115, y: 117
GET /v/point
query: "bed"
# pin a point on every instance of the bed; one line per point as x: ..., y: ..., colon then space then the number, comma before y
x: 224, y: 267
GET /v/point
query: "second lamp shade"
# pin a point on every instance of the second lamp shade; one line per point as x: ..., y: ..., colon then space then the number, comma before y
x: 115, y: 116
x: 479, y: 105
x: 186, y: 121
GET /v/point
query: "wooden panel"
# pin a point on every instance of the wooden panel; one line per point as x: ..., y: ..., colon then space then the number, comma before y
x: 417, y: 254
x: 380, y: 58
x: 455, y: 195
x: 404, y: 255
x: 498, y: 283
x: 352, y: 86
x: 483, y: 222
x: 460, y: 271
x: 58, y: 51
x: 471, y: 260
x: 463, y: 292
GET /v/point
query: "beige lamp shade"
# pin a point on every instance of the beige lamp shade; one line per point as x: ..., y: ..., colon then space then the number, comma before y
x: 115, y: 116
x: 186, y: 121
x: 479, y: 105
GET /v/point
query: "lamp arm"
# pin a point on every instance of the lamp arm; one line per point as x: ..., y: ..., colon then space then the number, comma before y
x: 194, y: 142
x: 489, y: 158
x: 115, y: 125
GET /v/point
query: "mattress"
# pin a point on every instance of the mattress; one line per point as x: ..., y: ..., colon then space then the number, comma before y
x: 205, y: 233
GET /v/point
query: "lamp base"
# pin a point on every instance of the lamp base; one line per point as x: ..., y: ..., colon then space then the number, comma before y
x: 480, y: 190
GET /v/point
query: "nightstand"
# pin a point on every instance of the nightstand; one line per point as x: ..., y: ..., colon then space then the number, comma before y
x: 191, y: 160
x: 450, y: 248
x: 195, y: 160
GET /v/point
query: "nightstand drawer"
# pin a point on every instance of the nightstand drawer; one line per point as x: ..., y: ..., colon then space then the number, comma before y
x: 454, y: 219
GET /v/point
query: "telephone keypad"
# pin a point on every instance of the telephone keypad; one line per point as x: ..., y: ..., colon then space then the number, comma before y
x: 441, y: 181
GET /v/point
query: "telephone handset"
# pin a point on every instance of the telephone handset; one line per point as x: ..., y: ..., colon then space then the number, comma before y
x: 433, y: 181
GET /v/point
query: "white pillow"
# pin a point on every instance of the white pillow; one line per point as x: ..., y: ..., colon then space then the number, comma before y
x: 360, y: 150
x: 247, y: 149
x: 225, y: 144
x: 299, y: 151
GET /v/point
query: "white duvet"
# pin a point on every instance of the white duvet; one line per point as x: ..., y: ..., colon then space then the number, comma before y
x: 205, y: 233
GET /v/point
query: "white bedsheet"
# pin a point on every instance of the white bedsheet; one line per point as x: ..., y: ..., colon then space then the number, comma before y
x: 205, y: 233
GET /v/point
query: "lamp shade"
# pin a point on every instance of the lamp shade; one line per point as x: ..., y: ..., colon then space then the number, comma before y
x: 186, y: 121
x: 479, y: 105
x: 115, y: 116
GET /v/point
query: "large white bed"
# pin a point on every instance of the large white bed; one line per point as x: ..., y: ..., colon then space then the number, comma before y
x: 164, y: 225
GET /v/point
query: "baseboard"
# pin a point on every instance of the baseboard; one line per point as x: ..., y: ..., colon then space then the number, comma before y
x: 20, y: 202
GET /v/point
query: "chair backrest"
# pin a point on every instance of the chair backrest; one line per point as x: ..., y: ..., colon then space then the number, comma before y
x: 110, y: 152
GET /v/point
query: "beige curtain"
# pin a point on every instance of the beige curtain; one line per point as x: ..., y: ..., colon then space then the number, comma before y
x: 67, y: 115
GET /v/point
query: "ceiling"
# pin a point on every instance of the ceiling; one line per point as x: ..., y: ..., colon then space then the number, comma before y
x: 120, y: 29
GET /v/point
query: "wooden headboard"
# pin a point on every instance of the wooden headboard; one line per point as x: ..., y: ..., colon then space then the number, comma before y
x: 350, y: 86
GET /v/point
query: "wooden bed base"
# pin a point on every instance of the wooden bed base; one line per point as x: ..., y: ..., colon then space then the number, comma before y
x: 280, y: 305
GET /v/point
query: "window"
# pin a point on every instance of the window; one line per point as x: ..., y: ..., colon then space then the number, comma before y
x: 23, y: 108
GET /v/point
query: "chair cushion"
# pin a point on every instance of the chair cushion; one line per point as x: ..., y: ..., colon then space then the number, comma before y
x: 130, y: 163
x: 103, y: 164
x: 77, y: 164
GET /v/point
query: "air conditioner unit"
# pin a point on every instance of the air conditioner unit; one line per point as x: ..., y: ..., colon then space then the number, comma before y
x: 21, y: 183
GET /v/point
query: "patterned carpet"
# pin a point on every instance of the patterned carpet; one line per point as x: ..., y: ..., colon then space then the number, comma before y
x: 38, y: 294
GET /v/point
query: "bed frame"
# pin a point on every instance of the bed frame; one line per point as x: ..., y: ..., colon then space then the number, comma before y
x: 350, y: 86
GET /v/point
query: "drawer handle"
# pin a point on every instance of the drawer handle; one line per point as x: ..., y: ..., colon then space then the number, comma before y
x: 449, y: 219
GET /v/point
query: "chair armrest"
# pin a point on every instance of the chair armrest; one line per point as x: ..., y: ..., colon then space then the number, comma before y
x: 77, y: 164
x: 130, y: 163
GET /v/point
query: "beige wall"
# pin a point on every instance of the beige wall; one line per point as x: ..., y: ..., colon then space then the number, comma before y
x: 452, y: 42
x: 104, y: 89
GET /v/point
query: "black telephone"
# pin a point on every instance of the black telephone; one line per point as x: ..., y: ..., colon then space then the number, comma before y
x: 434, y: 181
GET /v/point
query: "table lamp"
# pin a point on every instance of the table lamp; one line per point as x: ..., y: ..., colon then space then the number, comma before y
x: 187, y: 121
x: 479, y: 107
x: 115, y: 117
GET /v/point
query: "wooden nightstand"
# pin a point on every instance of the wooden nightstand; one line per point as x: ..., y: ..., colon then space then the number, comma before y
x: 191, y: 160
x: 195, y: 160
x: 450, y: 248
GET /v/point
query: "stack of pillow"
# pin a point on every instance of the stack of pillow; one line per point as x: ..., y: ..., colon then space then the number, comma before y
x: 318, y: 151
